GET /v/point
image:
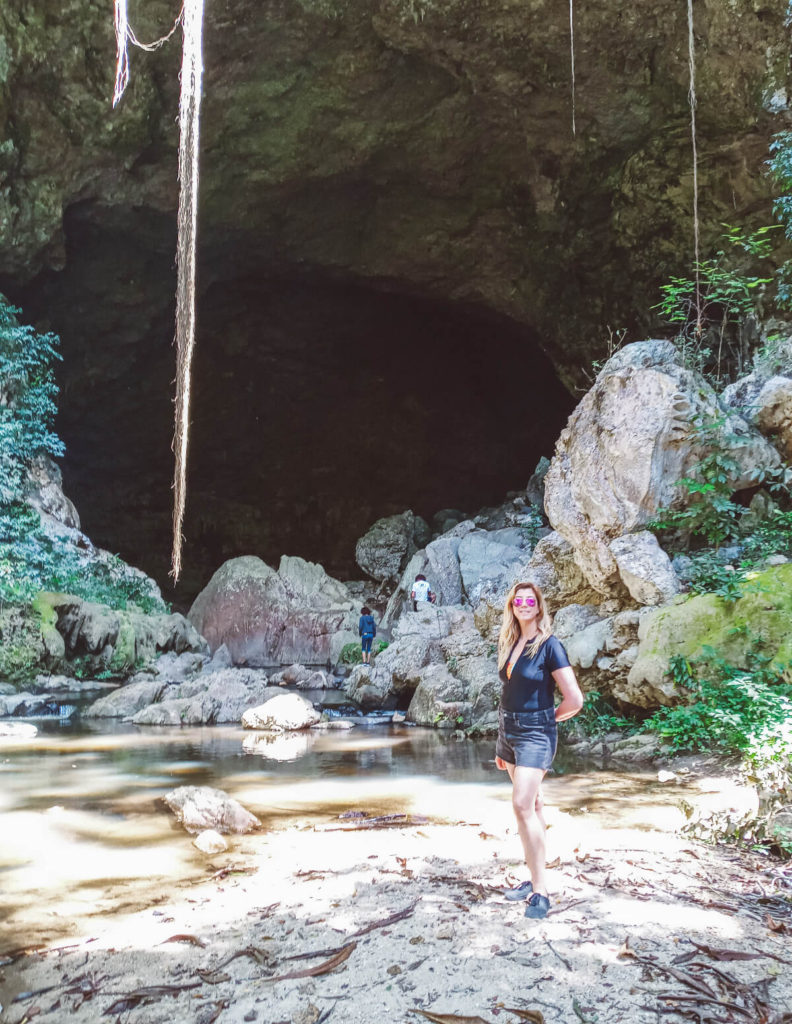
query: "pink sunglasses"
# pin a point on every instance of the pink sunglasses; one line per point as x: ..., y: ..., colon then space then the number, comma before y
x: 530, y: 601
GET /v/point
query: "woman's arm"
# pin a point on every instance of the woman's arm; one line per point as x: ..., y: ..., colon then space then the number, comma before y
x: 570, y: 691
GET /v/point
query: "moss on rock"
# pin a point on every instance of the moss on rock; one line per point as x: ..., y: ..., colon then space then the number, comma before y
x: 763, y: 614
x: 22, y: 649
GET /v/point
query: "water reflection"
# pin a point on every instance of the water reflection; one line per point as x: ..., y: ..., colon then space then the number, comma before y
x: 82, y: 831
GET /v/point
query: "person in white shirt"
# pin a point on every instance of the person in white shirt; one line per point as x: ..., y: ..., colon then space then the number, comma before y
x: 421, y: 591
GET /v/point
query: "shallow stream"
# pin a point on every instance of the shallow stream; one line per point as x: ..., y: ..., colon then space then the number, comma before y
x: 82, y: 832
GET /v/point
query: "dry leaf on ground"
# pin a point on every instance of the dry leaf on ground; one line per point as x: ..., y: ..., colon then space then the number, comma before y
x: 323, y: 968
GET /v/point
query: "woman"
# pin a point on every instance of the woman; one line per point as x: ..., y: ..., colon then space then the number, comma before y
x: 531, y: 663
x: 367, y: 629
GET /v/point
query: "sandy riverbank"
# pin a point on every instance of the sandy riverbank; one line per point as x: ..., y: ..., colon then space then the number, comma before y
x: 630, y: 898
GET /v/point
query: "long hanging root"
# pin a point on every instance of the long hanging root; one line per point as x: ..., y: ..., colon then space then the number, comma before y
x: 189, y: 125
x: 191, y: 19
x: 572, y: 56
x: 692, y: 103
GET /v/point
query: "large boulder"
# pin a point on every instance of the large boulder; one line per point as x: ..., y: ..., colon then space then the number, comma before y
x: 202, y: 807
x: 764, y: 398
x: 626, y: 446
x: 439, y: 563
x: 602, y: 647
x: 644, y: 568
x: 267, y: 618
x: 706, y: 620
x: 108, y: 639
x: 486, y: 557
x: 211, y: 698
x: 127, y: 700
x: 384, y: 550
x: 552, y: 567
x: 285, y: 712
x: 440, y: 700
x: 774, y: 413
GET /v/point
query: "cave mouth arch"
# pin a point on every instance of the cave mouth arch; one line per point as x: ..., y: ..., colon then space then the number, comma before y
x: 320, y: 404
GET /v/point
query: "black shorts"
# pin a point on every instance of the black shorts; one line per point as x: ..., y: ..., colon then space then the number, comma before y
x: 527, y: 739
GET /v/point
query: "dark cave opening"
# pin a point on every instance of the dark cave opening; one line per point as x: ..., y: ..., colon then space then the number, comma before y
x: 320, y: 404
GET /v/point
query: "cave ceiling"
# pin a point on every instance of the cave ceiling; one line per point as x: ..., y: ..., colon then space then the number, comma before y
x: 381, y: 151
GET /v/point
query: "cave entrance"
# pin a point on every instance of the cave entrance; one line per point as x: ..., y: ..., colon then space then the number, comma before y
x: 319, y: 404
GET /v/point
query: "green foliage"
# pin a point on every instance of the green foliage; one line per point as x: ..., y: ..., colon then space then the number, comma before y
x: 31, y: 561
x: 780, y: 164
x: 351, y: 654
x: 770, y: 536
x: 530, y: 525
x: 731, y: 709
x: 709, y: 575
x: 707, y: 306
x: 27, y: 400
x: 599, y: 717
x: 710, y: 512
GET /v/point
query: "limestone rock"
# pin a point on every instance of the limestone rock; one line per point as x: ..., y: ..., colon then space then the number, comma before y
x: 66, y: 684
x: 209, y: 842
x: 110, y: 639
x: 774, y: 413
x: 267, y: 618
x: 370, y: 694
x: 552, y: 567
x: 644, y: 568
x: 211, y: 698
x: 534, y: 491
x: 384, y: 550
x: 439, y: 700
x: 202, y: 807
x: 127, y: 700
x: 286, y: 712
x: 486, y: 557
x: 439, y: 562
x: 625, y: 447
x: 17, y: 731
x: 178, y: 668
x: 303, y: 678
x: 44, y: 491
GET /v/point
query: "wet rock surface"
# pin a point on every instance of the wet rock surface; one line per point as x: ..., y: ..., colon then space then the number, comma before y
x: 202, y: 807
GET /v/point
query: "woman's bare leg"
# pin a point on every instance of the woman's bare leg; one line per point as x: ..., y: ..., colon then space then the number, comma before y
x: 528, y: 810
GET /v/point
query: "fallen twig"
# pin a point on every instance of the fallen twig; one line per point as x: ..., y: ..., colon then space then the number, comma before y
x: 259, y: 955
x: 324, y: 968
x: 399, y: 916
x: 563, y: 959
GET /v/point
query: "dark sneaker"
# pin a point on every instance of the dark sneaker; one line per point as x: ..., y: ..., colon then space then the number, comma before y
x: 519, y: 892
x: 538, y: 906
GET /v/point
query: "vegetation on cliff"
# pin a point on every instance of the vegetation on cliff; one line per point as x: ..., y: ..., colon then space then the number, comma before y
x: 37, y: 553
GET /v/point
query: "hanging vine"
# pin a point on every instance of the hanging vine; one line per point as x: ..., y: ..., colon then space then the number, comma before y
x: 692, y: 104
x: 191, y: 19
x: 572, y: 56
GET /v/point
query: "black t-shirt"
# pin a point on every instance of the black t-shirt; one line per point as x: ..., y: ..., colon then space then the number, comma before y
x: 531, y: 686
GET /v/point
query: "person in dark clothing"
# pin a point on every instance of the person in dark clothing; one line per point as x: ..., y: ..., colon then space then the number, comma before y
x: 531, y: 663
x: 367, y: 628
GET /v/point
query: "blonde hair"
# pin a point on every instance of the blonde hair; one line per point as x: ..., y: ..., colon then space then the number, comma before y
x: 510, y: 627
